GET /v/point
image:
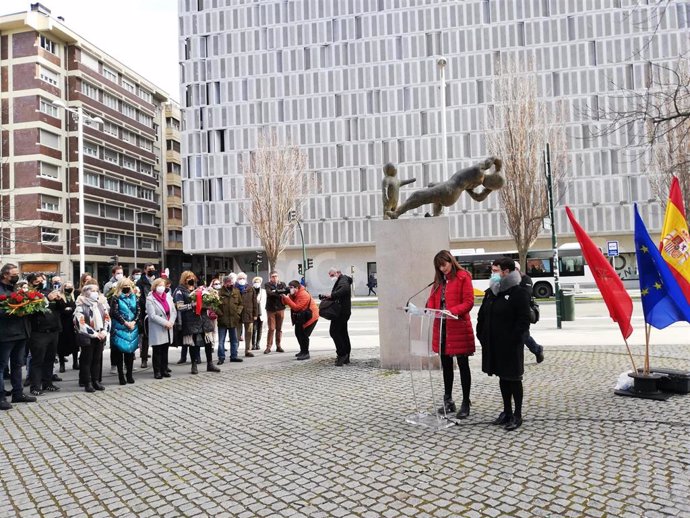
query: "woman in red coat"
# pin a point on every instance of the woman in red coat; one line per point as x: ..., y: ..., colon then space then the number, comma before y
x: 300, y: 300
x: 453, y: 291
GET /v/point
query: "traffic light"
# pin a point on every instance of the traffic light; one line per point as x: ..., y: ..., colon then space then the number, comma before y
x: 259, y: 258
x: 310, y: 263
x: 299, y: 269
x: 114, y: 260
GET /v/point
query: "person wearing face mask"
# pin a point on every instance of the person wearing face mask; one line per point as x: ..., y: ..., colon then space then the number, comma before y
x: 275, y: 311
x: 229, y: 318
x: 67, y: 343
x: 452, y: 290
x: 144, y: 287
x: 117, y: 274
x: 124, y: 337
x: 189, y: 305
x: 257, y: 283
x: 13, y: 337
x: 250, y: 310
x: 93, y: 323
x: 502, y: 322
x: 300, y: 301
x: 45, y: 335
x: 161, y: 313
x: 342, y: 293
x: 135, y: 276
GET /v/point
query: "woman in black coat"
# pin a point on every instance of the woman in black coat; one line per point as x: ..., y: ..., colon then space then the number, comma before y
x: 67, y: 344
x: 502, y: 321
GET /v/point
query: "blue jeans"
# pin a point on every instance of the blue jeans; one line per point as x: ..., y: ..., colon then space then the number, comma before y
x: 12, y: 353
x: 234, y: 342
x: 532, y: 344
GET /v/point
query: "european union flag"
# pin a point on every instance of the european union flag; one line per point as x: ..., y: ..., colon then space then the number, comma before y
x: 663, y: 301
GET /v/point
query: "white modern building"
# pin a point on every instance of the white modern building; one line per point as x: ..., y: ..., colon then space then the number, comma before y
x: 355, y: 84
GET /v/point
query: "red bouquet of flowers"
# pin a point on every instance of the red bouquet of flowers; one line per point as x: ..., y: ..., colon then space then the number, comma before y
x: 21, y: 304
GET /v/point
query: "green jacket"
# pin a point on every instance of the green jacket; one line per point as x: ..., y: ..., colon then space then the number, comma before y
x: 230, y: 307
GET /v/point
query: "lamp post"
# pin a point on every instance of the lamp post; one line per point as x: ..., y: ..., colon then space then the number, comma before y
x: 79, y: 112
x: 292, y: 216
x: 441, y: 63
x: 554, y: 239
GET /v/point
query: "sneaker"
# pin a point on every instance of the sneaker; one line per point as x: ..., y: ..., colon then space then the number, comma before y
x: 56, y: 378
x: 36, y: 392
x: 236, y: 360
x: 51, y: 388
x: 540, y: 356
x: 220, y: 361
x: 448, y: 406
x: 23, y: 398
x: 248, y: 354
x: 304, y: 356
x: 5, y: 405
x: 340, y: 361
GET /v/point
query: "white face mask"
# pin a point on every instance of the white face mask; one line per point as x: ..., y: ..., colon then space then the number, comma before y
x: 93, y: 295
x: 137, y: 277
x: 257, y: 285
x: 118, y: 276
x: 293, y: 291
x: 216, y: 286
x: 242, y: 282
x: 160, y: 289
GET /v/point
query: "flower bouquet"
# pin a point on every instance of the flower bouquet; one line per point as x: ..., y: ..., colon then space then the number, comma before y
x: 210, y: 300
x: 21, y: 304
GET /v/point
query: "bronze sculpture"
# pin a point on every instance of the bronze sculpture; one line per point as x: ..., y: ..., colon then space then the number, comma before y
x: 446, y: 193
x: 391, y: 188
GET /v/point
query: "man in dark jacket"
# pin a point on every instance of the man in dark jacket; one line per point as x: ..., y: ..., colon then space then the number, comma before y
x: 229, y: 318
x: 275, y: 311
x: 536, y: 349
x: 45, y: 335
x: 15, y: 333
x: 144, y: 285
x: 342, y: 293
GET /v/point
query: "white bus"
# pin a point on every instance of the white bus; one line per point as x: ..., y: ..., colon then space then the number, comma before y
x: 574, y: 272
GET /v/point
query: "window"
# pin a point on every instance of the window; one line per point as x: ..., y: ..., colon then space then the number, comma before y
x: 174, y: 213
x: 173, y: 145
x: 110, y: 128
x: 174, y: 190
x: 50, y: 203
x: 48, y: 108
x: 145, y: 168
x: 129, y: 163
x: 172, y: 123
x: 145, y: 95
x: 109, y: 74
x: 174, y: 235
x: 89, y: 90
x: 50, y: 235
x: 110, y: 101
x: 89, y: 61
x: 146, y: 144
x: 49, y: 170
x: 111, y: 185
x: 111, y: 156
x: 47, y: 75
x: 146, y: 218
x: 91, y: 150
x: 92, y: 208
x: 111, y: 240
x: 110, y: 212
x: 145, y: 194
x: 50, y: 139
x: 145, y: 119
x: 91, y: 238
x: 173, y: 168
x: 129, y: 86
x: 47, y: 44
x: 128, y: 189
x: 92, y: 179
x: 129, y: 111
x: 147, y: 244
x: 128, y: 136
x: 126, y: 214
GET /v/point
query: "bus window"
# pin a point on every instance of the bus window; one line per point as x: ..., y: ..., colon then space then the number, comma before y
x: 572, y: 266
x: 539, y: 267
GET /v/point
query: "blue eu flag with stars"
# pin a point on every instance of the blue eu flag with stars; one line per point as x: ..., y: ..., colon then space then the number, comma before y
x: 663, y: 301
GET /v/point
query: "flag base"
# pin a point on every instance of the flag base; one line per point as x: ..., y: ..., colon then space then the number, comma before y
x: 645, y: 387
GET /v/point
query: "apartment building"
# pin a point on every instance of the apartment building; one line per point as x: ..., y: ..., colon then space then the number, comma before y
x: 46, y: 67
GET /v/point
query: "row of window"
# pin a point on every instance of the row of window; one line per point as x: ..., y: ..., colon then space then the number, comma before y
x: 111, y: 184
x: 112, y: 75
x: 109, y: 240
x: 120, y: 159
x: 116, y: 104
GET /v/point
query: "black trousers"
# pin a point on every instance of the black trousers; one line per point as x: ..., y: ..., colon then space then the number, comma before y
x: 193, y: 353
x: 256, y: 332
x: 302, y: 334
x: 465, y: 375
x: 91, y: 361
x: 340, y: 336
x: 160, y: 358
x: 43, y: 347
x: 122, y: 358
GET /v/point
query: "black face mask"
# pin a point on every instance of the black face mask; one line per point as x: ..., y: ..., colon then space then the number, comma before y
x: 126, y: 290
x: 151, y: 273
x: 68, y: 290
x: 167, y: 290
x: 14, y: 279
x: 191, y: 282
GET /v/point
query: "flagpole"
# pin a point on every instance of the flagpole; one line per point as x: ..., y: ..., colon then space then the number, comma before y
x: 647, y: 332
x: 630, y: 354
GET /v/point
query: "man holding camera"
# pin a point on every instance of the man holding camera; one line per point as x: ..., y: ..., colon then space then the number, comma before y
x: 275, y: 311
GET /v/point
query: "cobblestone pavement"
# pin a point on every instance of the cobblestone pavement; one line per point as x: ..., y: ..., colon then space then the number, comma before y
x: 287, y: 438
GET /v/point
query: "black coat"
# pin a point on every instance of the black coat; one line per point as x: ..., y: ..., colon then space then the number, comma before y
x: 342, y: 292
x: 51, y: 320
x: 191, y: 322
x: 502, y: 321
x: 66, y: 345
x: 12, y: 328
x: 274, y: 302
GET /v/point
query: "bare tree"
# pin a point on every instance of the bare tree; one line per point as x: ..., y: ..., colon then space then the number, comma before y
x: 275, y: 183
x: 521, y: 125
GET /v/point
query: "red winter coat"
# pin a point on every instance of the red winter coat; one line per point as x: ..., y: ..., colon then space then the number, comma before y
x: 459, y: 301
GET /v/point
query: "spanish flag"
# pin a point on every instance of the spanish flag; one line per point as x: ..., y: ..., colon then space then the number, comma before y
x: 675, y: 240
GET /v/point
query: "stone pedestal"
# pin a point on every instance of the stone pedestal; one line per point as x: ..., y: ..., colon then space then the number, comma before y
x: 405, y: 250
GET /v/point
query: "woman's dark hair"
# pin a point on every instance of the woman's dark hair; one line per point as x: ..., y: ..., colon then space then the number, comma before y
x: 294, y: 284
x: 504, y: 263
x: 444, y: 256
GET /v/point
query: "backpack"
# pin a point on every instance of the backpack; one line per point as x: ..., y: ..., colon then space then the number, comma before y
x: 533, y: 311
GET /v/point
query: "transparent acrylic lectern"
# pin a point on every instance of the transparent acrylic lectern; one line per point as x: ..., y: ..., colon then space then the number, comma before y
x: 425, y: 367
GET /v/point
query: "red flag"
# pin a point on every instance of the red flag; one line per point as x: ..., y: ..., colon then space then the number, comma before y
x: 675, y: 239
x: 611, y: 287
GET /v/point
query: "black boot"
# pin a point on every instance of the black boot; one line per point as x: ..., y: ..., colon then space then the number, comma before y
x: 210, y: 367
x: 121, y: 374
x: 88, y: 387
x: 62, y: 365
x: 448, y: 405
x: 195, y: 370
x: 129, y: 364
x: 464, y: 410
x: 156, y: 360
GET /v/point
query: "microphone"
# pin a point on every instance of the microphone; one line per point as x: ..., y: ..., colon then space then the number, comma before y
x: 417, y: 293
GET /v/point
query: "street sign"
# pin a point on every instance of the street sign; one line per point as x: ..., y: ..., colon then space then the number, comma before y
x: 612, y: 247
x: 546, y: 223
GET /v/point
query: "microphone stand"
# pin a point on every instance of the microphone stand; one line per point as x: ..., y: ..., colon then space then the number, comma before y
x: 417, y: 293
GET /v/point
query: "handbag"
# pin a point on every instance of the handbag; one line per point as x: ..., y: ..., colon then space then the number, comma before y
x: 302, y: 317
x: 533, y: 312
x: 329, y: 309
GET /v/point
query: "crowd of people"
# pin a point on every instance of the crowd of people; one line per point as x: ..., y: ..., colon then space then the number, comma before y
x: 142, y: 312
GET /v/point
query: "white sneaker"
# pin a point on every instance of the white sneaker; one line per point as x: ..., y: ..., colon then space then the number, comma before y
x: 113, y: 369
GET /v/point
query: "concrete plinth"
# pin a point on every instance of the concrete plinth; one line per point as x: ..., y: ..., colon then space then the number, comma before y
x: 405, y: 250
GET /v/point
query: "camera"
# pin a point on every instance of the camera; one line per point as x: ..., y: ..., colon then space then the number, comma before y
x: 322, y: 296
x: 442, y: 62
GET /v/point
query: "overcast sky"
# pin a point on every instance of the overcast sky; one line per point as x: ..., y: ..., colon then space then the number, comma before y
x: 142, y: 34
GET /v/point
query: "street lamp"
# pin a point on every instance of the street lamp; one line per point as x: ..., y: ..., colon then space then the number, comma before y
x: 441, y: 62
x: 81, y: 116
x: 292, y: 216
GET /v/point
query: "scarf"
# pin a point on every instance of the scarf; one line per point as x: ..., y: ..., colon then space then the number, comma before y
x: 241, y: 288
x: 97, y: 312
x: 507, y: 282
x: 162, y: 299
